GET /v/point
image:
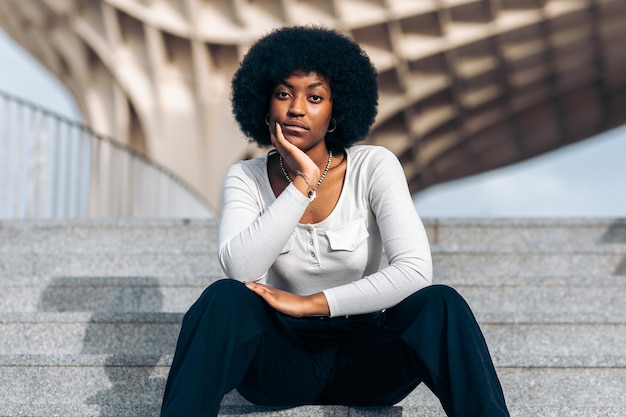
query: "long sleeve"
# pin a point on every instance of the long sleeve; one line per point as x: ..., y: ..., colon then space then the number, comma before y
x: 404, y: 241
x: 251, y: 235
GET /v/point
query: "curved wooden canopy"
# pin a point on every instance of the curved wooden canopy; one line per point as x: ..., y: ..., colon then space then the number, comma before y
x: 465, y: 85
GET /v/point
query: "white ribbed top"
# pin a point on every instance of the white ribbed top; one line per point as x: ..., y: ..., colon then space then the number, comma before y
x: 259, y: 235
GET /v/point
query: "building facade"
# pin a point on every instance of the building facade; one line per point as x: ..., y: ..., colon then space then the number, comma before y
x: 465, y: 85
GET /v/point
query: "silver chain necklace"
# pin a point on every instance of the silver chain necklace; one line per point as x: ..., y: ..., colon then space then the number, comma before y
x: 288, y: 178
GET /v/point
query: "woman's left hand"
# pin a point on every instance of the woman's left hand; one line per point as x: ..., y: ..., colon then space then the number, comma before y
x: 292, y: 304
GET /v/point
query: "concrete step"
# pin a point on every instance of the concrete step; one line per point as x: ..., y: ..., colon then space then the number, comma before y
x: 560, y: 304
x: 109, y: 236
x: 507, y: 303
x: 465, y: 275
x: 90, y: 312
x: 89, y: 333
x: 230, y: 411
x: 184, y: 236
x: 511, y: 344
x: 101, y: 295
x: 35, y: 268
x: 527, y: 235
x: 527, y: 265
x: 486, y: 268
x: 107, y: 380
x: 305, y: 411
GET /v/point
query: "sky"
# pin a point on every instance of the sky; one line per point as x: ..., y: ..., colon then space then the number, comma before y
x: 587, y: 179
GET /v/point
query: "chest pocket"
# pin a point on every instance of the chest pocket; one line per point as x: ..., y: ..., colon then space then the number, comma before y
x: 348, y: 237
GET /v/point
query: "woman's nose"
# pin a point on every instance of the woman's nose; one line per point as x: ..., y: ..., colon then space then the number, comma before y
x: 297, y: 107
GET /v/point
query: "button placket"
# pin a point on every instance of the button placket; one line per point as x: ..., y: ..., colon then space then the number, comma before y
x: 312, y: 245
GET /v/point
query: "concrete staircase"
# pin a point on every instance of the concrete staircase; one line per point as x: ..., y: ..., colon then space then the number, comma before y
x: 90, y: 312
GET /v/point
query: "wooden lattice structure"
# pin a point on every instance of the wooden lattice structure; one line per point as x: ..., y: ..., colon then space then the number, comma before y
x: 465, y: 85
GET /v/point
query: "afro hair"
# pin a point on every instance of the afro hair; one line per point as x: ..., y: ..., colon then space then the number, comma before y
x: 340, y: 60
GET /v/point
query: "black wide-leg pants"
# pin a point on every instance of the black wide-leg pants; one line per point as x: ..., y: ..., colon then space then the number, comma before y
x: 232, y: 339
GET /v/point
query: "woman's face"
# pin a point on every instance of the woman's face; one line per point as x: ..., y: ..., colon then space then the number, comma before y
x: 302, y: 105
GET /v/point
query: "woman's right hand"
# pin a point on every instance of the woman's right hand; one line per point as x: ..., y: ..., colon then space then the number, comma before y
x: 296, y: 160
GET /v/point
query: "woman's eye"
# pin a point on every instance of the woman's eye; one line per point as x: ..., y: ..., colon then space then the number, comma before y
x: 282, y: 94
x: 315, y: 98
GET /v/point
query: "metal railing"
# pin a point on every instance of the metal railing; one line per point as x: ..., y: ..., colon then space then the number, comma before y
x: 54, y: 168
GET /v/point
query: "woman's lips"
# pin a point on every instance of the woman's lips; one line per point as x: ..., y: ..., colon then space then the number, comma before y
x: 294, y: 127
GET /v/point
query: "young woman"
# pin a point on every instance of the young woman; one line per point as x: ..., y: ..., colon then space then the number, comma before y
x: 307, y: 315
